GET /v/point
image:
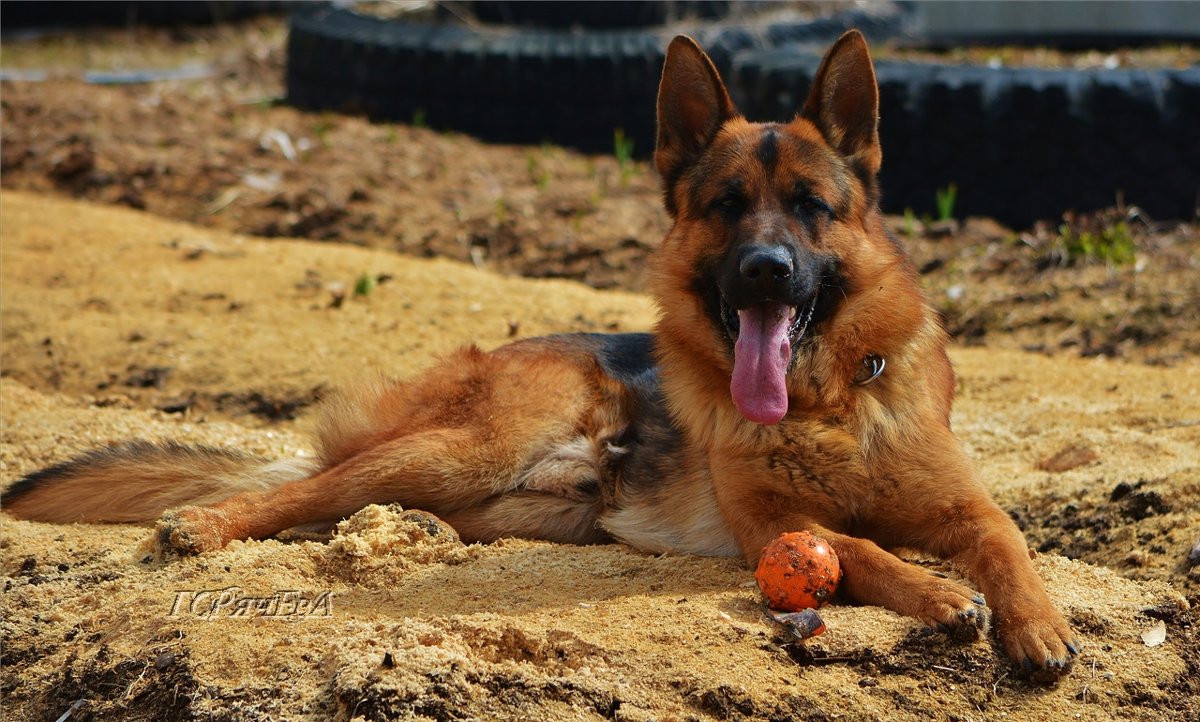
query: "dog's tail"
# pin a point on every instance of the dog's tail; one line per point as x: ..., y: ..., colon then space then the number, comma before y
x: 137, y: 480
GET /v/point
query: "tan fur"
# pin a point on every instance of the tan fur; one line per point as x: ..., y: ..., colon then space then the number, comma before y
x: 588, y: 439
x: 138, y: 482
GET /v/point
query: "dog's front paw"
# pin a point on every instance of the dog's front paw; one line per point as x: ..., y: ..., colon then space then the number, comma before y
x: 1042, y: 646
x: 954, y: 610
x: 188, y: 531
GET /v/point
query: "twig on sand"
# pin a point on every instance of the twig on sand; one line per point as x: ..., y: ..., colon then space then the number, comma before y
x: 996, y: 684
x: 67, y: 715
x: 1083, y: 696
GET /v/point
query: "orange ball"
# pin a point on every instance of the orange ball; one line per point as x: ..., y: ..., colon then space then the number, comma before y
x: 798, y: 571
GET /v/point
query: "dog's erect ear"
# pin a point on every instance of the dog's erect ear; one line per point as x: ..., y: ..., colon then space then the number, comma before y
x: 692, y: 105
x: 844, y: 101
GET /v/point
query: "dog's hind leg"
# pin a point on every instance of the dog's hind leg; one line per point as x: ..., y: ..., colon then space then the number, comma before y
x: 532, y: 515
x: 415, y: 470
x: 473, y: 429
x: 445, y: 472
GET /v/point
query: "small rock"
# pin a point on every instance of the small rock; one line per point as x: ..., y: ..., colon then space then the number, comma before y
x: 1194, y: 555
x: 1120, y: 491
x: 1137, y: 558
x: 1069, y: 457
x: 152, y: 377
x: 987, y: 228
x: 931, y: 265
x: 1143, y: 504
x: 337, y: 293
x: 78, y: 161
x: 1155, y: 635
x: 175, y: 406
x: 164, y: 661
x: 942, y: 229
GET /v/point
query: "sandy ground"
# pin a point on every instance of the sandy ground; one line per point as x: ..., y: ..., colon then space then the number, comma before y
x: 223, y: 152
x: 117, y: 324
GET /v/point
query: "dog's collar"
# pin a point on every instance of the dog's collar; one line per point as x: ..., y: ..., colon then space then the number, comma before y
x: 871, y: 369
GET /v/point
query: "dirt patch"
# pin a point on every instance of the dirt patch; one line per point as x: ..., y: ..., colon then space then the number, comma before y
x: 1178, y: 56
x: 221, y: 152
x: 420, y: 625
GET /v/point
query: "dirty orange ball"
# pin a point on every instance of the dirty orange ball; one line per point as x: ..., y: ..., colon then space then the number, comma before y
x: 798, y: 571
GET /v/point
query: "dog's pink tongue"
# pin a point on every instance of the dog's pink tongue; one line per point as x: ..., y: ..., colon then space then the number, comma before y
x: 760, y: 360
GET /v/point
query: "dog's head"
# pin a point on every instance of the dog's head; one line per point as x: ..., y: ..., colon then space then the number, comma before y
x: 767, y: 215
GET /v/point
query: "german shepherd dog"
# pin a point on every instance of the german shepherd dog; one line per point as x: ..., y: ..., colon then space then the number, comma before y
x: 796, y: 379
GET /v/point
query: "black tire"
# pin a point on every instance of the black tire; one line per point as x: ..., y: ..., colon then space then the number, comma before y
x: 612, y: 14
x: 523, y: 87
x: 1020, y: 144
x: 19, y: 14
x: 519, y: 86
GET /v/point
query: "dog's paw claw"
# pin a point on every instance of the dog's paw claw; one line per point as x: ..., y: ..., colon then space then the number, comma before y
x: 970, y: 629
x: 975, y: 618
x: 1043, y: 647
x: 1054, y: 670
x: 959, y: 613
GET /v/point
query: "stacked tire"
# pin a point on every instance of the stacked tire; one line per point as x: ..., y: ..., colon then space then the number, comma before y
x: 1020, y: 144
x: 518, y: 86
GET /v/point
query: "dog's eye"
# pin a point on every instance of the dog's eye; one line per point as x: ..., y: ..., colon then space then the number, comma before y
x: 730, y: 204
x: 807, y: 204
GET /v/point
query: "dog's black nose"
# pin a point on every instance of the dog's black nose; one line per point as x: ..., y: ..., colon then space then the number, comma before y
x: 765, y: 266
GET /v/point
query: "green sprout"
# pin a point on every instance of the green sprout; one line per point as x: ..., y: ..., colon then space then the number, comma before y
x: 1111, y: 244
x: 364, y: 285
x: 537, y: 173
x: 323, y: 128
x: 910, y: 224
x: 945, y: 201
x: 623, y: 149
